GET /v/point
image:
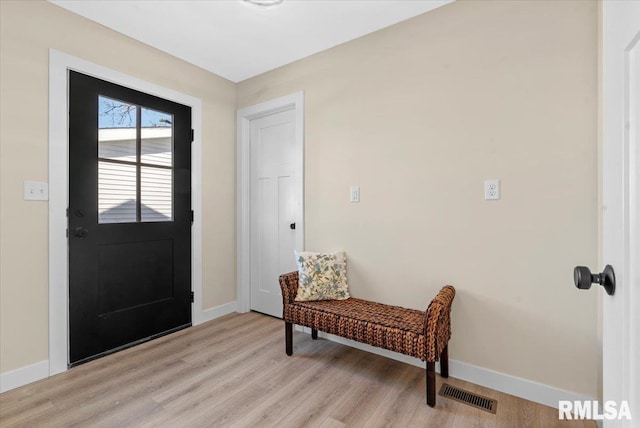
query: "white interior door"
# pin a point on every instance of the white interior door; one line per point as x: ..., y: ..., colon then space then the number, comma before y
x: 621, y: 199
x: 273, y: 207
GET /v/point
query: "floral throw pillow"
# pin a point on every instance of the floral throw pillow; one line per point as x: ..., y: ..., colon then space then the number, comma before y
x: 322, y: 276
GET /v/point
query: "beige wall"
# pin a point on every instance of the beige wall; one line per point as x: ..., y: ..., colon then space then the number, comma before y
x: 27, y: 31
x: 419, y: 115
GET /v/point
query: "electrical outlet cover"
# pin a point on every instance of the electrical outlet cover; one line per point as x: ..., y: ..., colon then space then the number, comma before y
x: 491, y: 189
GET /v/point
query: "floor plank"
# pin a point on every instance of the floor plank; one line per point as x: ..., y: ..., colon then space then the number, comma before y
x: 233, y: 372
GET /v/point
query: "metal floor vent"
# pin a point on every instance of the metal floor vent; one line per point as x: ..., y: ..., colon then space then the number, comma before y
x: 466, y: 397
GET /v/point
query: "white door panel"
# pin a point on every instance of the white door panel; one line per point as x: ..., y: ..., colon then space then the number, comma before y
x: 621, y: 99
x: 272, y: 149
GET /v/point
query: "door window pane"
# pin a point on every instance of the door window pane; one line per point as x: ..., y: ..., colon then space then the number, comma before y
x: 157, y: 138
x: 117, y: 122
x: 116, y: 192
x: 156, y: 194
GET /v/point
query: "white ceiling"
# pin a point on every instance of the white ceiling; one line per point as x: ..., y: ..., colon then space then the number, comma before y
x: 238, y: 40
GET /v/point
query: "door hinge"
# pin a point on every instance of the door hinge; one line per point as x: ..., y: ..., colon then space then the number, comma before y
x: 67, y: 212
x: 191, y: 216
x: 67, y: 233
x: 192, y: 297
x: 192, y: 135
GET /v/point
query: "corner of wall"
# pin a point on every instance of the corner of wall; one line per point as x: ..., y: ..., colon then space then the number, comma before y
x: 218, y: 311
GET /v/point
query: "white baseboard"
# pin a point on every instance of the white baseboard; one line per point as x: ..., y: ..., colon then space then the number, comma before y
x: 218, y: 311
x: 513, y: 385
x: 24, y: 375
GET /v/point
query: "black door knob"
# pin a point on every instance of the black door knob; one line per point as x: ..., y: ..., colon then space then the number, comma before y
x: 583, y: 278
x: 292, y: 226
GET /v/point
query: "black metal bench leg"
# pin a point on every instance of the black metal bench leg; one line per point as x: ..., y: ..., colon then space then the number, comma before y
x: 431, y: 384
x: 288, y: 337
x: 444, y: 362
x: 314, y: 333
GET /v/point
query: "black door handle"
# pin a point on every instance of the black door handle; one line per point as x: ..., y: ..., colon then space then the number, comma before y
x: 583, y: 278
x: 80, y: 232
x: 292, y: 226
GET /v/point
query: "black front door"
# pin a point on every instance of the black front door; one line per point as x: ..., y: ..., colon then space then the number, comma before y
x: 129, y: 217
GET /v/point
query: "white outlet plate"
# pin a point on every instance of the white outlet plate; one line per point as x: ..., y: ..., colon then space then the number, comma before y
x: 491, y: 189
x: 36, y: 191
x: 354, y: 194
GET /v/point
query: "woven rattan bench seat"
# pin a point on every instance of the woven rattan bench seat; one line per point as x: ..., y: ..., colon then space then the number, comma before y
x: 390, y: 327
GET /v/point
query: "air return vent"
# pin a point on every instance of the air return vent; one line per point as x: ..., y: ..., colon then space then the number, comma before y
x: 475, y: 400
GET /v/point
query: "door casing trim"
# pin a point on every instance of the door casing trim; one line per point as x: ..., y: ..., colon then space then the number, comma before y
x: 295, y: 102
x: 59, y: 64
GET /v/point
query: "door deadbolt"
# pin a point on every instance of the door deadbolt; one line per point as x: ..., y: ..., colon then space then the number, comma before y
x: 80, y: 232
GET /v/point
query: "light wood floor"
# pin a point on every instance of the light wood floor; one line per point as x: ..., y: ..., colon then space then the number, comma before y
x: 233, y: 372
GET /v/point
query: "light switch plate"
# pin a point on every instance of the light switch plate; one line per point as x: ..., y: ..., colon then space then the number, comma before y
x: 36, y: 191
x: 354, y: 194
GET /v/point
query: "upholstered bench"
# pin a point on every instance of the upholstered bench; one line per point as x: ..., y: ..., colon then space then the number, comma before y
x: 423, y: 335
